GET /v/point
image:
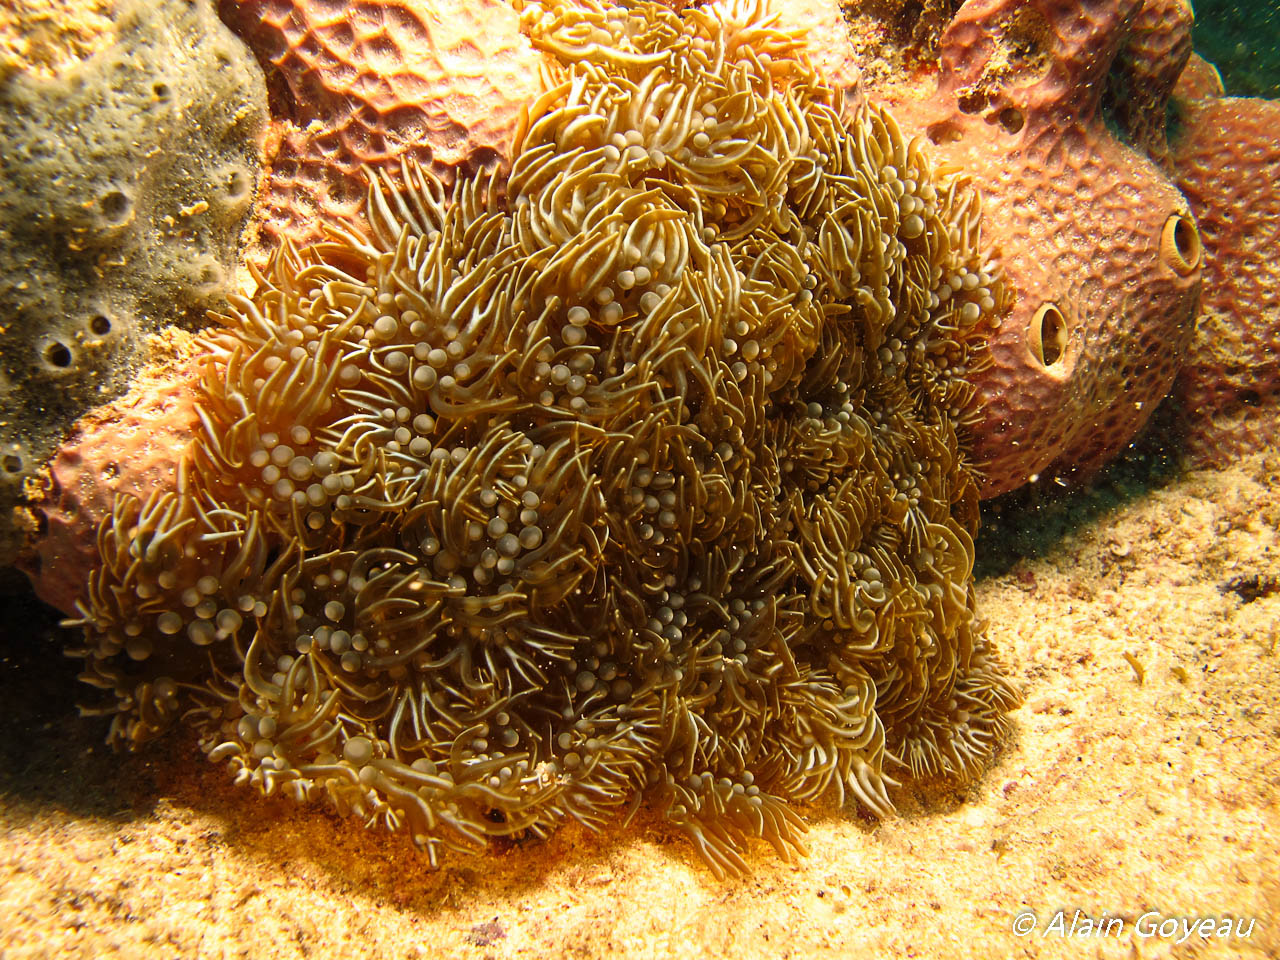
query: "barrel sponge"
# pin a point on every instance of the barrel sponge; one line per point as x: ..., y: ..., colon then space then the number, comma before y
x: 634, y: 475
x: 125, y: 182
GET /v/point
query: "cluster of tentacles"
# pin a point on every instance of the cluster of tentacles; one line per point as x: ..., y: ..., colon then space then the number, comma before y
x: 635, y: 476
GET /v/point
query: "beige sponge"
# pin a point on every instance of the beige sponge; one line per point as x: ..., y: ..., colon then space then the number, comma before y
x: 125, y: 182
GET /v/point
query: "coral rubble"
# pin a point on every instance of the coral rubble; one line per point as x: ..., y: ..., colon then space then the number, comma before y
x: 633, y: 477
x: 125, y: 181
x: 1099, y: 248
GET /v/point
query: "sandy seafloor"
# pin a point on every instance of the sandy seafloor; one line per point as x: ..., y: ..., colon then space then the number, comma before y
x: 1117, y: 795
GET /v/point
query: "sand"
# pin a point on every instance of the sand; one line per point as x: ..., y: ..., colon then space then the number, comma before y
x: 1141, y: 786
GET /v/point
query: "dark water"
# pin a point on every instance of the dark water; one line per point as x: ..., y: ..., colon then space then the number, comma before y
x: 1243, y: 40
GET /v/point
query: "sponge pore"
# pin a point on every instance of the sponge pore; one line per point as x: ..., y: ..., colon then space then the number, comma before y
x: 125, y: 182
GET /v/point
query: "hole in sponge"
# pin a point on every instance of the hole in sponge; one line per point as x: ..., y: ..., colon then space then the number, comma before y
x: 202, y: 276
x: 58, y: 354
x: 99, y: 324
x: 943, y: 132
x: 1047, y: 335
x: 208, y: 275
x: 974, y: 101
x: 12, y: 463
x: 115, y: 207
x: 1011, y: 119
x: 1180, y: 244
x: 162, y: 92
x: 236, y: 184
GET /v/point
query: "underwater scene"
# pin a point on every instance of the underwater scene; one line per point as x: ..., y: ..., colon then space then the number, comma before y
x: 640, y: 478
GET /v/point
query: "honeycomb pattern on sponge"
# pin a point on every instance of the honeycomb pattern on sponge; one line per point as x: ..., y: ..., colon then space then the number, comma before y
x: 1227, y: 162
x: 125, y: 182
x: 131, y: 445
x: 1099, y: 248
x: 374, y: 83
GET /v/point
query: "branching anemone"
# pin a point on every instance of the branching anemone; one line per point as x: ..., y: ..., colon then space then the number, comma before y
x: 635, y: 476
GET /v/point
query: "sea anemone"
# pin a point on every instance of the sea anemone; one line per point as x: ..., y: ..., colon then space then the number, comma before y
x: 634, y: 477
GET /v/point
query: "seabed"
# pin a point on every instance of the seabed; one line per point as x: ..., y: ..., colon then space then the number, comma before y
x: 1141, y: 783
